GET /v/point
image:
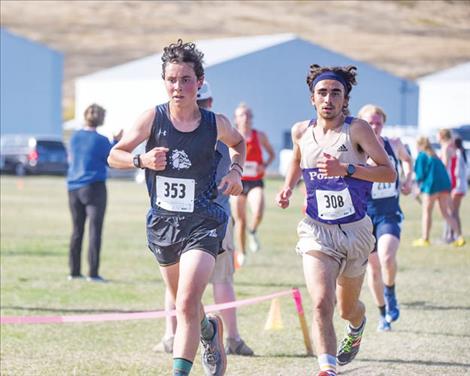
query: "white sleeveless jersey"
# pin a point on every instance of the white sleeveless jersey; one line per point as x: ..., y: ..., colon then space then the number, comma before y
x: 342, y: 148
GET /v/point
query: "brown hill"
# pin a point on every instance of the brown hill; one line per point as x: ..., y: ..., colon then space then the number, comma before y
x: 406, y: 38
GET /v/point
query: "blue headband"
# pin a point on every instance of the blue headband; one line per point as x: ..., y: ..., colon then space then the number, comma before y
x: 329, y: 76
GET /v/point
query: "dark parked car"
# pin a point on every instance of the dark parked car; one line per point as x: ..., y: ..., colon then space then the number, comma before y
x: 26, y: 154
x: 463, y: 132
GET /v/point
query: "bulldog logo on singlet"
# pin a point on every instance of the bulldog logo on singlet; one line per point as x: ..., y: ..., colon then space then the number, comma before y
x: 212, y: 233
x: 180, y: 160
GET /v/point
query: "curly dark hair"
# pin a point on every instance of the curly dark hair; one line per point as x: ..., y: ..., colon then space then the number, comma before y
x: 180, y: 52
x: 348, y: 73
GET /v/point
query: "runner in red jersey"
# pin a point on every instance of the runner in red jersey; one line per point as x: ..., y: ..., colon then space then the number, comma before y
x: 252, y: 180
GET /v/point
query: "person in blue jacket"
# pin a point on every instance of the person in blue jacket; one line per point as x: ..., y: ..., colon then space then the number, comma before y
x: 86, y: 177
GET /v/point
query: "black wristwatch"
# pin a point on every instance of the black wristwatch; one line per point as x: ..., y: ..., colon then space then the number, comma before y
x: 350, y: 170
x: 136, y: 161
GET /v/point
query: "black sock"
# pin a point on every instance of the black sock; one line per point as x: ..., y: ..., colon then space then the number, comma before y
x: 382, y: 310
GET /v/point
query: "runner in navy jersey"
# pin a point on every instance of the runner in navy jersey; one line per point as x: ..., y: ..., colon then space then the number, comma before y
x: 335, y: 238
x: 185, y: 226
x: 222, y: 276
x: 384, y: 210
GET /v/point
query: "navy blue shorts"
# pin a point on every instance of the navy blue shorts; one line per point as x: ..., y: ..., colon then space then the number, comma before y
x: 248, y: 185
x: 169, y: 237
x: 387, y: 224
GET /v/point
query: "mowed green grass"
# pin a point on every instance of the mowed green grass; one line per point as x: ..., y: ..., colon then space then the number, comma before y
x: 432, y: 336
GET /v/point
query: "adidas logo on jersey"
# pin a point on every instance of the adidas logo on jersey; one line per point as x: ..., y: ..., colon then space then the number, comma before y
x: 342, y: 148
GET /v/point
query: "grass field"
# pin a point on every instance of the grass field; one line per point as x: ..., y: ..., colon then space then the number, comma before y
x: 432, y: 336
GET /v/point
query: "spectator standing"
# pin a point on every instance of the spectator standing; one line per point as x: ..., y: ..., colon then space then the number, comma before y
x: 86, y: 182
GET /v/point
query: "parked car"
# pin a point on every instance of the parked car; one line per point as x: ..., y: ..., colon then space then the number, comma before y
x: 27, y: 154
x: 464, y: 133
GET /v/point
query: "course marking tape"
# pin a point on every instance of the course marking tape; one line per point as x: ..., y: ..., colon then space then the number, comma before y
x: 133, y: 315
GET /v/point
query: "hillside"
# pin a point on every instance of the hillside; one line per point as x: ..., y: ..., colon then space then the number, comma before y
x: 406, y: 38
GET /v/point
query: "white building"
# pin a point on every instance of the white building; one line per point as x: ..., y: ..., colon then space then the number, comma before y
x: 267, y: 72
x: 444, y: 99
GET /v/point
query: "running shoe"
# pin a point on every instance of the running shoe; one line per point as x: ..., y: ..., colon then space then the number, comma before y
x: 237, y: 347
x: 349, y: 346
x: 165, y: 345
x: 327, y: 373
x: 253, y: 241
x: 420, y: 243
x: 459, y: 242
x: 392, y: 310
x: 214, y: 359
x: 384, y: 325
x: 240, y: 260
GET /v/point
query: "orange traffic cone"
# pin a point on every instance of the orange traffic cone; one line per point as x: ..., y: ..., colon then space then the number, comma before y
x: 274, y: 321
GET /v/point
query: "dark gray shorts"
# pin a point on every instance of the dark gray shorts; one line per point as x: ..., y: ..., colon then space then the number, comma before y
x: 248, y: 185
x: 169, y: 237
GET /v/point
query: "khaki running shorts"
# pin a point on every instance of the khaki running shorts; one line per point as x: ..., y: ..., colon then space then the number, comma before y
x: 224, y: 267
x: 349, y: 244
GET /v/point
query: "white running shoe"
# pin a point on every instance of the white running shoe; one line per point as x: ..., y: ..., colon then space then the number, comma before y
x: 253, y: 241
x: 240, y: 258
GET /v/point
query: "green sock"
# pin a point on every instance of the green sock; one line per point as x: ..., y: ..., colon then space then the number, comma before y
x: 181, y: 367
x: 207, y: 329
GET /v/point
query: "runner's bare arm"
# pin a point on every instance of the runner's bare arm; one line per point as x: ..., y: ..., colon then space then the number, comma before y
x: 407, y: 164
x: 121, y: 154
x: 231, y: 183
x: 232, y: 138
x: 293, y: 171
x: 268, y: 147
x: 363, y: 135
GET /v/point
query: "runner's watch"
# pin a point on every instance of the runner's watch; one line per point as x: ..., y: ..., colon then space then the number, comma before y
x: 350, y: 170
x: 136, y: 161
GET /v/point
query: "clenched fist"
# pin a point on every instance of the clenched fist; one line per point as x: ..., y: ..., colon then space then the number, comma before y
x: 154, y: 159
